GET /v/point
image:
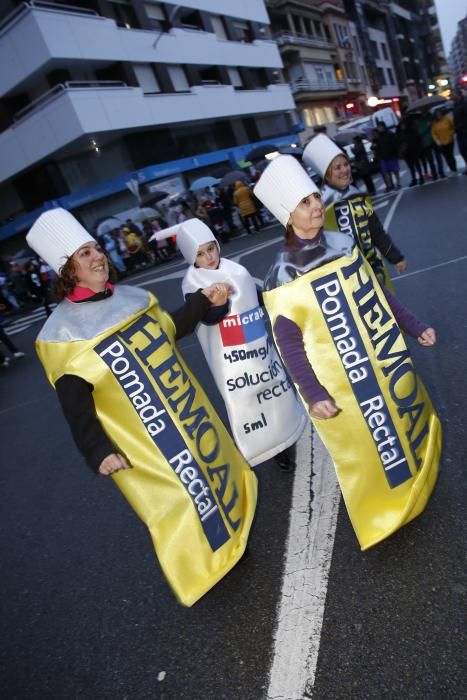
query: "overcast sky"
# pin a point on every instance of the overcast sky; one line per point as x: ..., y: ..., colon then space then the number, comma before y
x: 449, y: 14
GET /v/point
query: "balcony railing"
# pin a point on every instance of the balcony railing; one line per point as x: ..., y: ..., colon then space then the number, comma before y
x: 318, y: 86
x: 283, y: 38
x: 61, y: 87
x: 44, y: 5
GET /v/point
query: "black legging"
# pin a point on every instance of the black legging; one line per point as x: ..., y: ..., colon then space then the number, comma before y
x: 448, y: 152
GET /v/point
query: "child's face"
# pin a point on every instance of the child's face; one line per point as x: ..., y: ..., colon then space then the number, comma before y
x: 208, y: 256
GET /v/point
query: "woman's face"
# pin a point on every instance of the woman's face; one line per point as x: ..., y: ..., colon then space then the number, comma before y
x: 307, y: 218
x: 91, y: 267
x: 339, y: 173
x: 208, y: 256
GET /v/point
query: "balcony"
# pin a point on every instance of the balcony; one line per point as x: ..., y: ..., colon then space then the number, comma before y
x: 290, y: 39
x: 321, y: 86
x: 60, y: 38
x: 70, y: 114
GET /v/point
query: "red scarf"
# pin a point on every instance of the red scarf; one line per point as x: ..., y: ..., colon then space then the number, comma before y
x: 84, y: 293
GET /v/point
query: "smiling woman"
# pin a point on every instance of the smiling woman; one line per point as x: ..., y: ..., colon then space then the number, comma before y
x: 135, y: 411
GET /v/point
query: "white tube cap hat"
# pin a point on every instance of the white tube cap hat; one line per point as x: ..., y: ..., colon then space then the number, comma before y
x: 190, y: 235
x: 320, y: 152
x: 282, y: 186
x: 56, y: 235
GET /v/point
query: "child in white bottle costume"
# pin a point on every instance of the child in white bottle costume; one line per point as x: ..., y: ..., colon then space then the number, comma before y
x: 265, y: 416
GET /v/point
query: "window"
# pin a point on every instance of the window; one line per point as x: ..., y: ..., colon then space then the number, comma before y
x: 243, y: 31
x: 318, y: 28
x: 320, y: 75
x: 314, y: 116
x: 385, y: 52
x: 178, y: 78
x: 146, y: 77
x: 190, y: 19
x: 218, y: 26
x: 381, y: 76
x: 235, y: 77
x: 374, y: 49
x: 124, y: 14
x: 391, y: 80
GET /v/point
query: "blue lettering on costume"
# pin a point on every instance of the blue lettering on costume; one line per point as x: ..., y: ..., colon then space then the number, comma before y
x: 164, y: 433
x: 362, y: 378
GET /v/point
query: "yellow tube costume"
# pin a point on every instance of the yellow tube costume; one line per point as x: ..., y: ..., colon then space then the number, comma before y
x: 386, y: 440
x: 188, y: 482
x: 350, y: 215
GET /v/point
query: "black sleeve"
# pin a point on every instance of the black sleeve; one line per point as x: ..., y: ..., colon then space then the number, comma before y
x: 214, y: 314
x: 383, y: 241
x: 75, y: 396
x: 187, y: 317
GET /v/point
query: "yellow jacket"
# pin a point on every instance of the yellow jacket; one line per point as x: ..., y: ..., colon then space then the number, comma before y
x: 442, y: 130
x: 243, y: 198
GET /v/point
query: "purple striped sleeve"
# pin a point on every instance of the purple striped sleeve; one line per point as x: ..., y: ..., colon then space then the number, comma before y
x: 290, y: 342
x: 405, y: 319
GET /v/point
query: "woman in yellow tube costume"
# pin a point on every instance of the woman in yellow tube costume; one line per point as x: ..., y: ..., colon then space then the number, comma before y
x: 136, y: 412
x: 338, y: 331
x: 350, y: 211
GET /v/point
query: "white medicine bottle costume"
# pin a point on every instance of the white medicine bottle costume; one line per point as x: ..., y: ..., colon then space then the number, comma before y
x: 264, y: 413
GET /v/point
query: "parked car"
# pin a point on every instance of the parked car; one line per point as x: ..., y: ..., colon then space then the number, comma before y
x: 365, y: 126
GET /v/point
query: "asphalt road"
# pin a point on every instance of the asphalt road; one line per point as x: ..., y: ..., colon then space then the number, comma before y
x: 85, y: 610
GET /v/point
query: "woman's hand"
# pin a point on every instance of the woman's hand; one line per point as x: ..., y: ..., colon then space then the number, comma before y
x: 324, y: 409
x: 113, y: 463
x: 401, y: 266
x: 428, y: 337
x: 218, y: 293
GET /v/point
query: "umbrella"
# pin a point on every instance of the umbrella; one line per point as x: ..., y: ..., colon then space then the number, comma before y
x: 153, y: 197
x: 426, y: 102
x: 203, y: 182
x: 260, y: 152
x: 291, y: 151
x: 165, y: 233
x: 108, y: 224
x: 144, y: 213
x: 233, y: 176
x: 23, y: 256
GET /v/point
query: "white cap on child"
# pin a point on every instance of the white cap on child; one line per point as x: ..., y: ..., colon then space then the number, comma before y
x: 320, y: 152
x: 56, y: 235
x: 283, y: 185
x: 190, y: 235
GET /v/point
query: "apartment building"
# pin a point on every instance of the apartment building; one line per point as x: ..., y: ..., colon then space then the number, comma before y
x: 458, y: 55
x: 96, y: 94
x: 319, y: 54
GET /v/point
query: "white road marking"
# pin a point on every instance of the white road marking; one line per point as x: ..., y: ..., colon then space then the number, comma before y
x: 428, y: 269
x: 390, y: 214
x: 308, y: 555
x: 381, y: 205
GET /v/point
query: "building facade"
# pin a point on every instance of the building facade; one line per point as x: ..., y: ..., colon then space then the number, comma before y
x: 321, y: 64
x: 458, y: 55
x: 98, y: 93
x: 401, y: 45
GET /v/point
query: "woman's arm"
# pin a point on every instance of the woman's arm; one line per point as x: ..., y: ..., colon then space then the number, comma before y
x: 75, y: 397
x: 290, y: 342
x: 408, y: 322
x: 383, y: 241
